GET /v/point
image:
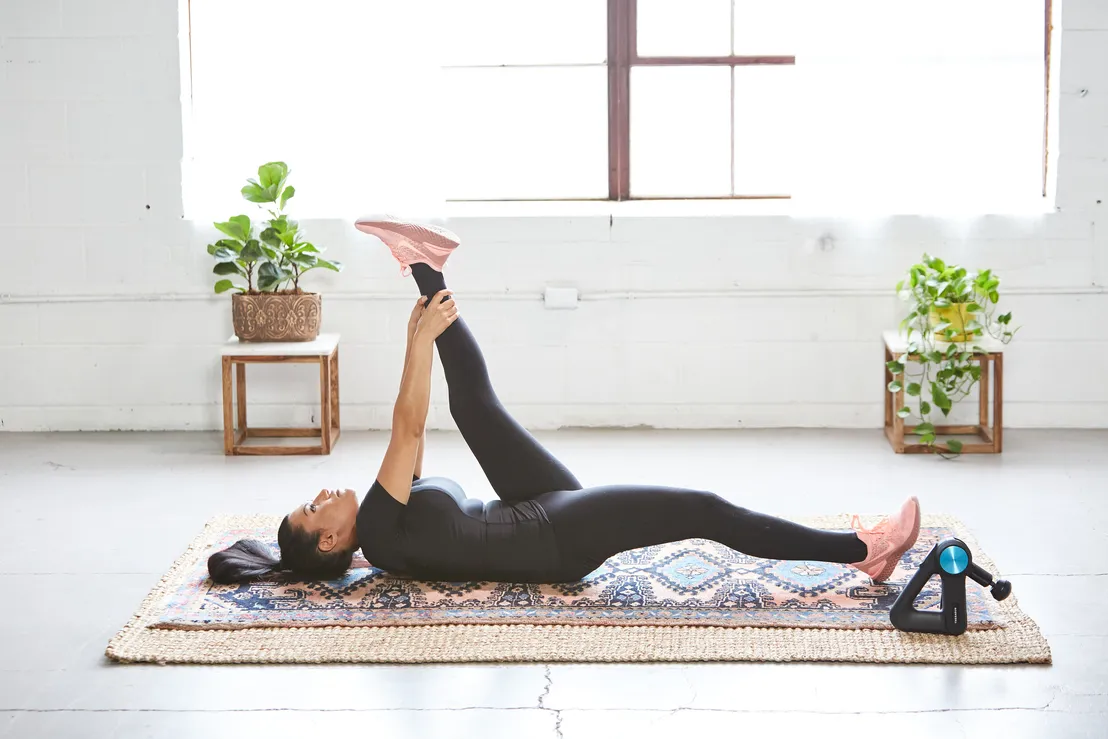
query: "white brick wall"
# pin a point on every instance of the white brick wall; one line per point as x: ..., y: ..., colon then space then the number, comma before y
x: 106, y: 320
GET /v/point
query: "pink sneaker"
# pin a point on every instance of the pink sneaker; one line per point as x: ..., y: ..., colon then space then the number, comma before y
x: 411, y: 243
x: 888, y: 540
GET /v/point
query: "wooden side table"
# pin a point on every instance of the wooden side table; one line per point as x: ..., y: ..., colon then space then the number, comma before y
x: 324, y: 350
x: 991, y: 433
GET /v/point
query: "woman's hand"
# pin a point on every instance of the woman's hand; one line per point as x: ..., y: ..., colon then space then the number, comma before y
x: 437, y: 316
x: 417, y: 312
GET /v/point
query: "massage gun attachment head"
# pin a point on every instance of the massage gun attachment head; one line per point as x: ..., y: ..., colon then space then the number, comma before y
x: 1001, y: 589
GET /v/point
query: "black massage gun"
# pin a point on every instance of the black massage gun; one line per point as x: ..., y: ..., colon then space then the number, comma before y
x: 951, y: 560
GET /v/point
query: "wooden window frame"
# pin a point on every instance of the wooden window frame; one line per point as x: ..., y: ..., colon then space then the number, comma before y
x: 622, y: 56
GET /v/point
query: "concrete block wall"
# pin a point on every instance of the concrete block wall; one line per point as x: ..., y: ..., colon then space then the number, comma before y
x: 686, y: 320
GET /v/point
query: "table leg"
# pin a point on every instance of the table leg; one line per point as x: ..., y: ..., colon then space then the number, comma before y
x: 998, y: 403
x: 228, y: 410
x: 885, y: 389
x: 335, y: 390
x: 240, y: 395
x: 983, y: 382
x: 898, y: 422
x: 325, y: 404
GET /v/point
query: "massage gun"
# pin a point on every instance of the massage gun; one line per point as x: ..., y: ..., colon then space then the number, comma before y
x: 951, y: 560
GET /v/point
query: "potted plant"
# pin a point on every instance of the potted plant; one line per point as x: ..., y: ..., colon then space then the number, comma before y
x: 270, y: 257
x: 948, y: 311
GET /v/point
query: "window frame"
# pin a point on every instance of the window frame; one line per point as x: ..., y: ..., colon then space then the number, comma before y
x: 623, y: 55
x: 622, y: 34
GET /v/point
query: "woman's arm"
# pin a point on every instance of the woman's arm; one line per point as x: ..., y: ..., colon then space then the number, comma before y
x: 409, y: 416
x: 413, y: 322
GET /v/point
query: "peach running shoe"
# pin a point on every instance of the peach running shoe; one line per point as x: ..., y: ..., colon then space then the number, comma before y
x: 888, y: 540
x: 411, y: 243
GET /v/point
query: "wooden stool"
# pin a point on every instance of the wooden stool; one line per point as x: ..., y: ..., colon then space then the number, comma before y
x: 324, y: 350
x: 896, y: 347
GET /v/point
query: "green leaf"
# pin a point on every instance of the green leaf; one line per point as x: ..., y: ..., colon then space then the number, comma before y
x: 925, y: 428
x: 994, y: 296
x: 306, y: 248
x: 228, y: 268
x: 223, y: 286
x: 913, y: 389
x: 271, y: 237
x: 904, y: 412
x: 286, y: 195
x: 895, y: 367
x: 942, y: 303
x: 895, y: 387
x: 255, y: 193
x: 234, y: 228
x: 272, y: 174
x: 306, y: 261
x: 940, y: 398
x: 973, y: 308
x: 270, y: 276
x: 924, y: 407
x: 252, y: 252
x: 900, y: 286
x: 223, y: 254
x: 975, y: 372
x: 244, y: 223
x: 955, y: 446
x: 330, y: 264
x: 1006, y: 318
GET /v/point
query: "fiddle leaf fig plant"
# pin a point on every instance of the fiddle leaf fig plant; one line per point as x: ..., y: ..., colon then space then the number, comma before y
x: 272, y: 255
x: 949, y: 310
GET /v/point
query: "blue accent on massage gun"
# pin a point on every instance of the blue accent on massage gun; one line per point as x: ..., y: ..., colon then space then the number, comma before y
x: 951, y: 560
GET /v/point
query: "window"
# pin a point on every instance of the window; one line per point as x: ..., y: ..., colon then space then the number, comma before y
x: 906, y: 106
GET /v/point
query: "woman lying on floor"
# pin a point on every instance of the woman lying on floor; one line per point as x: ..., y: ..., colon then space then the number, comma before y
x: 545, y: 527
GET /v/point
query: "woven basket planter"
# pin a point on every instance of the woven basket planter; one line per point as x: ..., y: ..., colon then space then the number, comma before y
x: 277, y: 316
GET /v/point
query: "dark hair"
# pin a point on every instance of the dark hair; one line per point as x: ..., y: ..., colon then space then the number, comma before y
x: 248, y: 559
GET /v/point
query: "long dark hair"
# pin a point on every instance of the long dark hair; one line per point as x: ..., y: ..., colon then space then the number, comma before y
x: 248, y: 559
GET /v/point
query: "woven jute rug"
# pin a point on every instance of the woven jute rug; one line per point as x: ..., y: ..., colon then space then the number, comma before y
x: 686, y: 601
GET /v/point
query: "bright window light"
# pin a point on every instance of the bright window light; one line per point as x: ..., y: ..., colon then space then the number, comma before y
x: 891, y: 107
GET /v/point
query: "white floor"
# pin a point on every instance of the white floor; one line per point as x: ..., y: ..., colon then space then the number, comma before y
x: 90, y: 522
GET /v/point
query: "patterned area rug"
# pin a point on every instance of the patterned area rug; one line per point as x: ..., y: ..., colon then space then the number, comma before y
x: 689, y: 582
x: 658, y: 603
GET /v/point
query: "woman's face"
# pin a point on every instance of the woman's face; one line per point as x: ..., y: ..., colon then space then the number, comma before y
x: 332, y: 514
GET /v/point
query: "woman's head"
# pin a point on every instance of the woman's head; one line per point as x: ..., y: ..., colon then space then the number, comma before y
x: 317, y: 541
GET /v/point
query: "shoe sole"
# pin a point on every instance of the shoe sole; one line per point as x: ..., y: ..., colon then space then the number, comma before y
x: 438, y: 238
x: 895, y: 555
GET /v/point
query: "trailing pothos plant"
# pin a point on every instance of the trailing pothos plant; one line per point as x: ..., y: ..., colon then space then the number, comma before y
x: 272, y: 255
x: 949, y: 310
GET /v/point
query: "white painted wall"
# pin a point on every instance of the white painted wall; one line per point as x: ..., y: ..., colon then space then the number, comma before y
x: 106, y: 320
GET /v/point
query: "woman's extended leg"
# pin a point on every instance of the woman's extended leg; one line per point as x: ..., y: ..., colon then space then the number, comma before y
x: 597, y: 523
x: 517, y: 465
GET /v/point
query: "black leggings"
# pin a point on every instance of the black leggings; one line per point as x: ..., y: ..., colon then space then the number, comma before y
x: 593, y: 524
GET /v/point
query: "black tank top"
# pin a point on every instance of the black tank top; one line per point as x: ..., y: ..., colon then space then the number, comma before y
x: 443, y: 535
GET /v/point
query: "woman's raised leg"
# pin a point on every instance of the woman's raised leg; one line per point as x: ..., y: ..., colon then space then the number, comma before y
x: 517, y: 465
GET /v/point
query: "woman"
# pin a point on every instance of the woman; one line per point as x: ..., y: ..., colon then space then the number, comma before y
x: 545, y: 527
